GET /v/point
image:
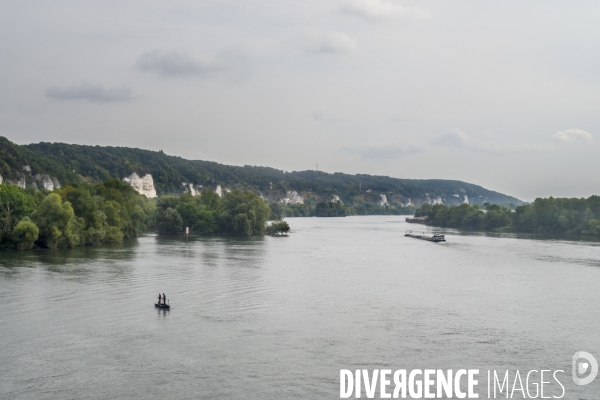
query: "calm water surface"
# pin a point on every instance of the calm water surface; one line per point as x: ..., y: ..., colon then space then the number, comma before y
x: 275, y: 318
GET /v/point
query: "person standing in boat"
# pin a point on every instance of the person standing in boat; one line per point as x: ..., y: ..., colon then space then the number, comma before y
x: 159, y: 299
x: 164, y: 299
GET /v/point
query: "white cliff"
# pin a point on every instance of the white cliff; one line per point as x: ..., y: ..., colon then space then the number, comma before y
x: 21, y: 182
x: 383, y: 201
x: 438, y: 200
x: 1, y: 179
x: 143, y: 185
x: 47, y: 182
x: 219, y: 191
x: 336, y: 198
x: 292, y: 197
x: 189, y: 188
x: 466, y: 200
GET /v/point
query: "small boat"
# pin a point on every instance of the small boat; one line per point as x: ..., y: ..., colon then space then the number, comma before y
x: 165, y: 306
x: 436, y: 237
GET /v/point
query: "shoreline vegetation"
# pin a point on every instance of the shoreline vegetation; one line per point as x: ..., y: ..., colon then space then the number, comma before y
x: 564, y: 216
x: 112, y: 211
x: 81, y: 214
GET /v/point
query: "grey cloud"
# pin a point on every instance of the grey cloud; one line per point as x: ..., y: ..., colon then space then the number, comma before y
x: 376, y: 10
x: 383, y: 152
x: 453, y: 138
x: 326, y: 42
x: 573, y: 135
x: 176, y: 64
x: 91, y: 93
x: 459, y: 139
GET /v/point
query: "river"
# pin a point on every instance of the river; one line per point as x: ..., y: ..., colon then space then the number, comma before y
x: 278, y: 317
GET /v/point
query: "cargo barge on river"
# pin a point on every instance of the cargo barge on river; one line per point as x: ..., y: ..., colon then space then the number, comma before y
x: 436, y: 237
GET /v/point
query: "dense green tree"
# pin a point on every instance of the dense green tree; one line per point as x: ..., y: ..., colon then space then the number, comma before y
x: 14, y: 205
x: 58, y: 226
x: 25, y: 234
x: 330, y: 209
x: 169, y: 222
x: 243, y: 214
x: 210, y: 200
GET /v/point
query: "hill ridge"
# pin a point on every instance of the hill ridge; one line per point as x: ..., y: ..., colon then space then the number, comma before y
x: 174, y: 174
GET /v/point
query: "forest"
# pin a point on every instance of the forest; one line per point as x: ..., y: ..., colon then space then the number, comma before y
x: 570, y: 216
x: 110, y: 212
x: 95, y: 164
x: 312, y: 208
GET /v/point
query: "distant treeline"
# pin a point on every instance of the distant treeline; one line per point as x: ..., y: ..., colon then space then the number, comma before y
x: 560, y: 216
x: 311, y: 208
x: 95, y: 164
x: 112, y: 211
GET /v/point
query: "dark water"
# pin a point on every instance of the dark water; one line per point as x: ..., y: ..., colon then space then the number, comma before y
x: 275, y: 318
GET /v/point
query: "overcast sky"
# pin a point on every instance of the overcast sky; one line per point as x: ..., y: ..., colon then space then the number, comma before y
x: 502, y: 94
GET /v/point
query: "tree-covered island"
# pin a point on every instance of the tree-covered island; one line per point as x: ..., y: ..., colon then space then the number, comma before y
x: 110, y: 212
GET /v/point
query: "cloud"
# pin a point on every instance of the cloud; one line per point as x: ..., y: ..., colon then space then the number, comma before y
x: 453, y: 138
x: 380, y: 153
x: 375, y: 10
x: 459, y: 139
x: 320, y: 117
x: 503, y: 148
x: 176, y: 64
x: 91, y: 93
x: 326, y: 42
x: 573, y: 135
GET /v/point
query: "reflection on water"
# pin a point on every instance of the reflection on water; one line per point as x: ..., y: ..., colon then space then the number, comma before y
x: 275, y: 318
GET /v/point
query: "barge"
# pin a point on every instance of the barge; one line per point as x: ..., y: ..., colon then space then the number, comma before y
x: 436, y: 237
x: 416, y: 220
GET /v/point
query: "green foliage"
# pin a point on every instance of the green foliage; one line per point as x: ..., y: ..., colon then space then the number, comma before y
x: 25, y: 234
x: 237, y: 213
x: 57, y: 222
x: 277, y: 228
x: 78, y: 214
x: 198, y: 213
x: 558, y: 216
x: 279, y: 210
x: 170, y: 223
x: 330, y: 209
x: 243, y: 214
x: 15, y: 204
x: 210, y: 200
x: 357, y: 207
x: 76, y: 164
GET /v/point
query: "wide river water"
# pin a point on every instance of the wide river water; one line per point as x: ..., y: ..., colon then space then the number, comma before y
x: 278, y: 317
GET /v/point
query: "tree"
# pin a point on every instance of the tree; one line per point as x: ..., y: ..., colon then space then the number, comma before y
x: 330, y: 209
x: 210, y: 199
x: 58, y: 226
x: 169, y: 222
x: 271, y: 229
x: 14, y: 205
x: 243, y: 214
x: 277, y: 227
x: 283, y: 227
x: 25, y: 234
